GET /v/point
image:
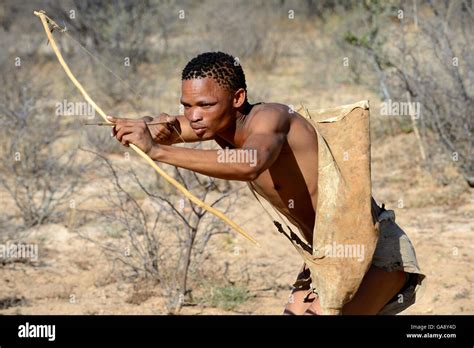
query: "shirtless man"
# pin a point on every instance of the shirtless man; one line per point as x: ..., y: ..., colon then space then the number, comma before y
x: 214, y: 96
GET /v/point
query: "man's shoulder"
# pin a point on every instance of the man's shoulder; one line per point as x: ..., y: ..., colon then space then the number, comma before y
x: 271, y: 111
x: 270, y: 115
x: 272, y: 108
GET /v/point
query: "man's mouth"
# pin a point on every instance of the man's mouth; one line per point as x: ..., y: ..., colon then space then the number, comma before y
x: 199, y: 130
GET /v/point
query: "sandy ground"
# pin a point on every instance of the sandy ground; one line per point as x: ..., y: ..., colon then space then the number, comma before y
x: 72, y: 275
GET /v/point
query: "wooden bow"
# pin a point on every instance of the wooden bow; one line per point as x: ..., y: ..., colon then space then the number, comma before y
x: 46, y: 24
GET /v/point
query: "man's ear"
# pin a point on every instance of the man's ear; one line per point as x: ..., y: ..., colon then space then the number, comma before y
x: 239, y: 98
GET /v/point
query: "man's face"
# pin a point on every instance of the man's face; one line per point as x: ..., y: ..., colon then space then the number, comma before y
x: 207, y: 106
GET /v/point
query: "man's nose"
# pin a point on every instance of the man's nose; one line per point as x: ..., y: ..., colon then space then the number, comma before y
x: 195, y: 116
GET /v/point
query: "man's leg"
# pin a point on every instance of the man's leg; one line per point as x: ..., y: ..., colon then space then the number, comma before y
x: 298, y: 301
x: 377, y: 288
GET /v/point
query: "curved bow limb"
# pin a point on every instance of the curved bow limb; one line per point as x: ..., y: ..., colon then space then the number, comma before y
x: 45, y: 20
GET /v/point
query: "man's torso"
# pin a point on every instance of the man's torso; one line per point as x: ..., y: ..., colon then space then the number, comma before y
x: 290, y: 183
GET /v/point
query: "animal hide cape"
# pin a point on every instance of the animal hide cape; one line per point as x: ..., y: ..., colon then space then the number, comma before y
x: 343, y: 220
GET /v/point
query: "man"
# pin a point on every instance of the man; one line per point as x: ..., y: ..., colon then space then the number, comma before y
x: 214, y: 96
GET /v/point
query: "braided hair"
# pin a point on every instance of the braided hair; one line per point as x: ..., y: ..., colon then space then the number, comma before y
x: 222, y: 67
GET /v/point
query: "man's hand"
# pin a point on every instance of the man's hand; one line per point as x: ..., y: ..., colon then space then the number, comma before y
x: 164, y: 133
x: 130, y: 131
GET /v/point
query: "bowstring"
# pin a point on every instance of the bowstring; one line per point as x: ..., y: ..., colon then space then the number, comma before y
x: 135, y: 92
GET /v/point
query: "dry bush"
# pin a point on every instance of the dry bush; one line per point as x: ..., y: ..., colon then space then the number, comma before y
x: 37, y: 173
x: 424, y: 55
x: 321, y: 9
x: 125, y: 28
x: 156, y: 234
x: 246, y: 29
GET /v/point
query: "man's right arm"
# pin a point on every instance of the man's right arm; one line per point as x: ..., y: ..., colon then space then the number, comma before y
x: 176, y: 131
